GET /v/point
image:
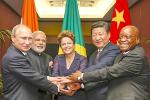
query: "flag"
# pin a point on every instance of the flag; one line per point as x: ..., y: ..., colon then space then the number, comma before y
x: 72, y: 22
x: 29, y: 15
x: 121, y: 18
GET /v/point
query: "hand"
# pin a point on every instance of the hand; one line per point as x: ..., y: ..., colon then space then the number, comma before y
x: 61, y: 86
x: 74, y: 76
x: 67, y: 92
x: 63, y: 90
x: 66, y: 80
x: 51, y: 64
x: 74, y: 86
x: 55, y: 79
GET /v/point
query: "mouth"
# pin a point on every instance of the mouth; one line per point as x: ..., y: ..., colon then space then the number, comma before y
x: 123, y: 46
x: 67, y: 49
x: 27, y: 46
x: 40, y: 47
x: 98, y: 42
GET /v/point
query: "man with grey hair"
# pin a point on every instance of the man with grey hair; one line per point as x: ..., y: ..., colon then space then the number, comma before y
x: 21, y: 80
x: 40, y: 60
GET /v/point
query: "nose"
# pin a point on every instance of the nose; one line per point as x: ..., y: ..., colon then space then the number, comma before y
x: 97, y: 38
x: 123, y: 38
x: 28, y: 41
x: 66, y: 45
x: 41, y: 42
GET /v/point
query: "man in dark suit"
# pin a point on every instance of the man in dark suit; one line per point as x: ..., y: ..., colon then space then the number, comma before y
x: 102, y: 57
x: 129, y: 75
x: 40, y: 60
x: 21, y: 80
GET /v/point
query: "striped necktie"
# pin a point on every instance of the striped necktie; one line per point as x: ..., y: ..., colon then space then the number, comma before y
x: 97, y: 56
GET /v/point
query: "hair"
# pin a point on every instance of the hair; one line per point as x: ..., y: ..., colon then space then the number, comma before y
x: 101, y: 24
x: 35, y: 33
x: 18, y: 27
x: 66, y: 33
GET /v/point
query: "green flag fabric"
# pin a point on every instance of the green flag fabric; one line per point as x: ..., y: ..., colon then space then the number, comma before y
x: 72, y: 23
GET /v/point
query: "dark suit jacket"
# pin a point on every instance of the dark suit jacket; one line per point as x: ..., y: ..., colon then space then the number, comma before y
x: 21, y: 80
x: 128, y: 76
x: 106, y: 58
x: 40, y: 63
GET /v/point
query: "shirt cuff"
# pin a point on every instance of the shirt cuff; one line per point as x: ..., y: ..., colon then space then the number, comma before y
x: 58, y: 88
x: 80, y: 78
x: 82, y: 86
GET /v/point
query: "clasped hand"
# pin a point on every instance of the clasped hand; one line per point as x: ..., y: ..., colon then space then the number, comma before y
x: 67, y: 85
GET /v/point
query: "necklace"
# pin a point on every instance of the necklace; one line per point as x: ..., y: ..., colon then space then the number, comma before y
x: 69, y: 60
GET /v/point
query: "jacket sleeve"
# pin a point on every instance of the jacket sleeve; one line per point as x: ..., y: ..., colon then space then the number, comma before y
x: 55, y: 71
x: 91, y: 85
x: 106, y: 60
x: 83, y: 63
x: 21, y: 68
x: 130, y: 65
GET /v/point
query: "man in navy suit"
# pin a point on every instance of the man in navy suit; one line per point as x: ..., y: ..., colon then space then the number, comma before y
x: 21, y: 80
x: 102, y: 57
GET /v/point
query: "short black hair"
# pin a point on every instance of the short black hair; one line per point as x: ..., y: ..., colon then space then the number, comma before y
x: 101, y: 24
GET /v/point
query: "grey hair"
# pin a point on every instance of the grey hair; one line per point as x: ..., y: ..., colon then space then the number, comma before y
x: 35, y: 33
x: 18, y: 27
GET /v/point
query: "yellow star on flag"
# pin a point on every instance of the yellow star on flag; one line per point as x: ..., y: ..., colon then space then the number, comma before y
x: 119, y: 17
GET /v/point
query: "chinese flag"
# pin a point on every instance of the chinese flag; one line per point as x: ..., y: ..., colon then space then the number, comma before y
x: 120, y: 18
x: 29, y: 15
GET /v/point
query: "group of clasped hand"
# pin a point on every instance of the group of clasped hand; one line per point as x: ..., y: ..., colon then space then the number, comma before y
x: 69, y: 84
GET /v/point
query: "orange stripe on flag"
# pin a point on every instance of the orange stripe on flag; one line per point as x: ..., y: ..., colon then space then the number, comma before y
x: 29, y: 15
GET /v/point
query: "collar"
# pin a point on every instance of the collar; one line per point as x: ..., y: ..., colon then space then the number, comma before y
x: 24, y: 53
x: 36, y: 53
x: 126, y: 52
x: 101, y: 49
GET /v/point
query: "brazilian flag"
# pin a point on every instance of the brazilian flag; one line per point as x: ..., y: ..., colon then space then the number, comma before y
x: 72, y: 22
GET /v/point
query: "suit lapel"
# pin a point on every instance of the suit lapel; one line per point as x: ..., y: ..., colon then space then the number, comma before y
x: 101, y: 53
x: 119, y: 58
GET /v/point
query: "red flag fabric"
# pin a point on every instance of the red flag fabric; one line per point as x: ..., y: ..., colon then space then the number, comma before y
x: 120, y: 18
x: 29, y: 15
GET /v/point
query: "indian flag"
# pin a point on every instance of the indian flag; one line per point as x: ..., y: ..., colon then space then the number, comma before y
x: 29, y: 15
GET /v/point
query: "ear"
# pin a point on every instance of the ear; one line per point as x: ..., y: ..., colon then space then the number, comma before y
x: 12, y: 38
x: 109, y: 35
x: 117, y: 42
x: 137, y: 40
